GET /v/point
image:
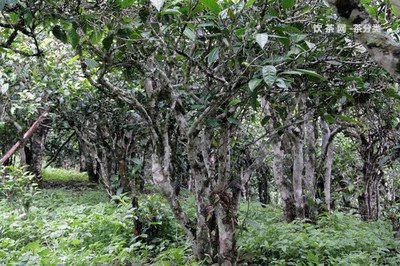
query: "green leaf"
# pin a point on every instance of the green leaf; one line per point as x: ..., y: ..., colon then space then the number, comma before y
x: 291, y: 72
x: 262, y: 39
x: 212, y: 122
x: 249, y: 3
x: 107, y: 42
x: 350, y: 120
x: 126, y: 3
x: 265, y: 120
x: 234, y: 102
x: 73, y: 59
x: 75, y: 242
x: 212, y: 5
x: 281, y: 83
x: 95, y: 37
x: 189, y: 33
x: 393, y: 94
x: 311, y: 73
x: 73, y: 37
x: 4, y: 88
x: 91, y: 63
x: 269, y: 75
x: 32, y: 245
x: 158, y: 4
x: 288, y: 3
x: 59, y: 33
x: 254, y: 83
x: 329, y: 118
x: 213, y: 56
x: 303, y: 71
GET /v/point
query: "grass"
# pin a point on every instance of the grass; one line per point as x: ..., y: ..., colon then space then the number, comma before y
x: 82, y: 226
x: 59, y: 174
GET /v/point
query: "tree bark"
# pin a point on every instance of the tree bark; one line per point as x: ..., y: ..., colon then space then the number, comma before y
x: 327, y: 150
x: 283, y: 187
x: 298, y: 167
x: 38, y: 142
x: 26, y: 136
x: 309, y: 169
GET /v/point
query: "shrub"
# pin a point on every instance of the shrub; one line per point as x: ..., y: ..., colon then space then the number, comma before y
x: 17, y: 186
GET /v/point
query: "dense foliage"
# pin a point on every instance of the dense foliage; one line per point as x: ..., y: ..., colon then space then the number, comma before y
x: 81, y: 226
x: 221, y: 131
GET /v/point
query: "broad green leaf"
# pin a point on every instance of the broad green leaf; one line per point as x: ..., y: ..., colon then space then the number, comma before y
x: 213, y: 56
x: 189, y: 33
x: 303, y: 71
x: 126, y: 3
x: 329, y: 118
x: 265, y: 120
x: 262, y: 39
x: 212, y: 122
x: 288, y: 3
x: 107, y: 42
x: 95, y: 37
x: 91, y: 63
x: 254, y: 83
x: 249, y: 3
x: 269, y: 75
x: 212, y: 5
x: 234, y: 102
x: 281, y: 83
x: 393, y: 94
x: 158, y: 4
x: 32, y: 246
x: 311, y: 73
x: 75, y: 242
x: 59, y: 33
x: 73, y: 37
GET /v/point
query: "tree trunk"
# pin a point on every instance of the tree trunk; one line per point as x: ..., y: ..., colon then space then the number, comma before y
x: 327, y: 149
x: 227, y: 195
x: 38, y: 141
x: 263, y: 186
x: 298, y: 167
x: 283, y: 187
x: 309, y: 170
x: 28, y: 134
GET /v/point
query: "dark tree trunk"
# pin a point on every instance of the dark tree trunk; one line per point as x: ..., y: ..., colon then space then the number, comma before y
x: 38, y: 141
x: 263, y: 186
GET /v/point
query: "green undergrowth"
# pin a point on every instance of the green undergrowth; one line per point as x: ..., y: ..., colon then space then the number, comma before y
x: 59, y: 174
x: 335, y: 239
x: 82, y: 226
x: 86, y: 228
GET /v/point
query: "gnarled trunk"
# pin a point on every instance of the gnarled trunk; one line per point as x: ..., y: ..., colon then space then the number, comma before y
x: 309, y: 169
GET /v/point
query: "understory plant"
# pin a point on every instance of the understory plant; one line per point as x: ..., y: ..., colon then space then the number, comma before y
x: 17, y: 186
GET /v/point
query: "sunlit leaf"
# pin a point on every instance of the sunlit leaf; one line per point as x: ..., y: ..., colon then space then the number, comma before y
x: 158, y: 4
x: 262, y: 39
x: 212, y: 5
x: 269, y: 75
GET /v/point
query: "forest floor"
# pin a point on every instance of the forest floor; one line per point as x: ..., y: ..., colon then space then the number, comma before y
x: 73, y: 222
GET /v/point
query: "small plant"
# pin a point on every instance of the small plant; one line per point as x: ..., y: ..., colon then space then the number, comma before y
x: 17, y: 186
